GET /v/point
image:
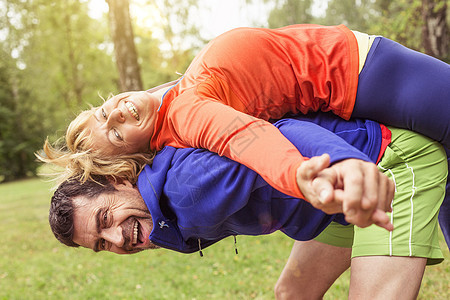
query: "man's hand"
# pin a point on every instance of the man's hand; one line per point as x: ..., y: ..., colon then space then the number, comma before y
x: 352, y: 186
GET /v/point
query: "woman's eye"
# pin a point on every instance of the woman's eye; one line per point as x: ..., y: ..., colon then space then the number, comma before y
x: 104, y: 114
x: 102, y: 244
x: 117, y: 135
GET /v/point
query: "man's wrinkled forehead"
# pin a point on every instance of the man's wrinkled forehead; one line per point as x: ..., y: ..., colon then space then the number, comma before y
x: 86, y: 221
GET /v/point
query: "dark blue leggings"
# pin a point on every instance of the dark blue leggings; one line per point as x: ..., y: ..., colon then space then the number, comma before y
x: 406, y: 89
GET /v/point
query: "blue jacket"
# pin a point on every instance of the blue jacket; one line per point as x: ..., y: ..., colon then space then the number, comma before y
x: 196, y: 198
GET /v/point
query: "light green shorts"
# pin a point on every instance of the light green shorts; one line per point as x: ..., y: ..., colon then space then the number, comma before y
x: 418, y: 167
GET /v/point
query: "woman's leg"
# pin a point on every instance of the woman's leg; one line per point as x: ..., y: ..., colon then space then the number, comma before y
x: 406, y: 89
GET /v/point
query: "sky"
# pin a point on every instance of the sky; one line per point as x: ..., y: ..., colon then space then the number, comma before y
x: 217, y: 16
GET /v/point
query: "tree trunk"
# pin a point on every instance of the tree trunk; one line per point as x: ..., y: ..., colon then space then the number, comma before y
x: 435, y: 32
x: 124, y: 47
x: 74, y: 77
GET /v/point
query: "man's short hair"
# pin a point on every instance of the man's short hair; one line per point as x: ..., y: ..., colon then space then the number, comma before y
x: 62, y: 206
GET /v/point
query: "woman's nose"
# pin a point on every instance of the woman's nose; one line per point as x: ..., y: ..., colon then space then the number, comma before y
x: 116, y: 115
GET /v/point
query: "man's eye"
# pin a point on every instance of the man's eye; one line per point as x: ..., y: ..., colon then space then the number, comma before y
x: 105, y: 218
x: 102, y: 244
x: 104, y: 114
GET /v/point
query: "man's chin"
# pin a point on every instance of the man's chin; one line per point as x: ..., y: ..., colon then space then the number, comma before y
x: 148, y: 246
x: 142, y: 248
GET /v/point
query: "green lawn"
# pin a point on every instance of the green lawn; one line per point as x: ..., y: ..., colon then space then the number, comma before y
x: 33, y: 265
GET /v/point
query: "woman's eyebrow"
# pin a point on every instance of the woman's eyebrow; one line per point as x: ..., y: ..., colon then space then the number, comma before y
x: 95, y: 115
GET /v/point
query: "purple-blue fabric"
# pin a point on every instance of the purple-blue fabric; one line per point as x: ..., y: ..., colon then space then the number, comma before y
x: 197, y: 198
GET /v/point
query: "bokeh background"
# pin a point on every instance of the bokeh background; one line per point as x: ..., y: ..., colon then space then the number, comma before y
x: 57, y: 57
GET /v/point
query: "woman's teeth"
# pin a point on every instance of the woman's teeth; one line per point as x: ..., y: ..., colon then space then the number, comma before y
x: 132, y: 109
x: 135, y: 232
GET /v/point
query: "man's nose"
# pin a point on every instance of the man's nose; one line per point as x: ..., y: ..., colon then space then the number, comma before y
x: 116, y: 115
x: 114, y: 236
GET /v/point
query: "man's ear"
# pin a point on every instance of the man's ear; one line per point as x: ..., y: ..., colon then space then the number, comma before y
x: 117, y: 181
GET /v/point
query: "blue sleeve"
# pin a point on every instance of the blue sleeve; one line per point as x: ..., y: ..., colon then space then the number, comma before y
x: 314, y: 140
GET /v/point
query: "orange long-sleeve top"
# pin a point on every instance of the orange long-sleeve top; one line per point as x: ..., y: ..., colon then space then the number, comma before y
x: 247, y: 76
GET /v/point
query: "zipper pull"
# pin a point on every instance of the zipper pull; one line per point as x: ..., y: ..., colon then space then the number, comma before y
x: 235, y: 246
x: 200, y: 248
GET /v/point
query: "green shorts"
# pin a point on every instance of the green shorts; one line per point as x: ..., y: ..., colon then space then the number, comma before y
x: 418, y: 167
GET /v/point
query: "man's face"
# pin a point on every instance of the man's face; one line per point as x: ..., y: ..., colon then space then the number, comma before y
x: 118, y: 222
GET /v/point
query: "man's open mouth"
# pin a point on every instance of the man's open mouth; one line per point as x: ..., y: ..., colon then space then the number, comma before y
x: 138, y: 237
x: 135, y: 232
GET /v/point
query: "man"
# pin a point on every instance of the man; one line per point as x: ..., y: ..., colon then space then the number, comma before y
x: 195, y: 198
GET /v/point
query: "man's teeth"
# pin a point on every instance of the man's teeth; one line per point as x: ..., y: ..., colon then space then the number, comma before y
x: 132, y: 109
x: 135, y: 232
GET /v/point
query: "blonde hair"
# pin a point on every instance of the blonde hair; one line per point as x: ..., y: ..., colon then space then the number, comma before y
x: 77, y: 157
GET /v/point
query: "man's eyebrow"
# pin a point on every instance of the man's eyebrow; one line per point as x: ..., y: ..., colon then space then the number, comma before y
x: 97, y: 221
x: 97, y: 227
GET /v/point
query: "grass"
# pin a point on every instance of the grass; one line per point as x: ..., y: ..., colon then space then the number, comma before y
x: 33, y: 265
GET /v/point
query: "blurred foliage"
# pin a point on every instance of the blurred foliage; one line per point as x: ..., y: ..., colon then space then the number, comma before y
x: 402, y: 20
x: 288, y: 12
x: 56, y: 59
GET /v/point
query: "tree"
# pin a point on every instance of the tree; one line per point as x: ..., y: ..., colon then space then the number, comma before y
x: 422, y: 25
x: 19, y: 127
x: 435, y: 31
x: 54, y: 60
x: 125, y: 50
x: 288, y: 12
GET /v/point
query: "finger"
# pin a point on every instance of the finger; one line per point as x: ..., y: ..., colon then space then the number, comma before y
x: 323, y: 186
x: 310, y: 168
x: 383, y: 187
x: 390, y: 194
x: 371, y: 192
x: 381, y: 219
x: 359, y: 217
x: 387, y: 189
x: 353, y: 192
x: 332, y: 208
x: 306, y: 173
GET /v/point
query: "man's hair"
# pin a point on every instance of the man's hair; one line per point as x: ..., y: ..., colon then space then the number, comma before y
x: 62, y: 204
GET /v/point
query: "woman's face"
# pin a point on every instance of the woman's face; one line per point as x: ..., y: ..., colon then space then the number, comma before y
x: 124, y: 124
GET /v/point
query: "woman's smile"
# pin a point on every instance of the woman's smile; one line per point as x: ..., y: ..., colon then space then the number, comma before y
x: 132, y: 109
x: 124, y: 124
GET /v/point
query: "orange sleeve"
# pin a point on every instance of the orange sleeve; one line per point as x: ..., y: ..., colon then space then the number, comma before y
x: 253, y: 142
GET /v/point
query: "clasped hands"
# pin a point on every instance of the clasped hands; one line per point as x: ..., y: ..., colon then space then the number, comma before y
x: 352, y: 186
